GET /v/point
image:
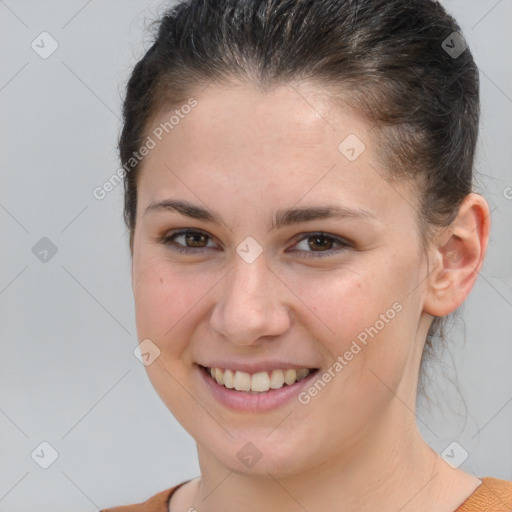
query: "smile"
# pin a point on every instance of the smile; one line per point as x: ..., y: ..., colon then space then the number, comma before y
x: 260, y: 382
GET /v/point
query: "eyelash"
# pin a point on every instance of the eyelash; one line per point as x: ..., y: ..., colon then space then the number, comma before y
x: 169, y: 241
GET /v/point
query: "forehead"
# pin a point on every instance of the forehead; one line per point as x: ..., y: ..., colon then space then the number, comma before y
x: 240, y: 115
x: 287, y: 142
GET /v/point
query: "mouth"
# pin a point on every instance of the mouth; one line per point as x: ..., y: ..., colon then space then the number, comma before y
x: 259, y: 382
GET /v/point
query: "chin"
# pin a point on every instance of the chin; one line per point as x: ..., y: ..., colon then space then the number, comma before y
x: 261, y: 455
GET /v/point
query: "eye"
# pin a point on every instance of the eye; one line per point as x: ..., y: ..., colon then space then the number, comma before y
x: 189, y: 241
x: 186, y: 240
x: 320, y: 244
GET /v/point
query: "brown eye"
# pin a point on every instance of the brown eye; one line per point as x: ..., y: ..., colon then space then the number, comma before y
x: 187, y: 241
x: 195, y: 239
x: 320, y: 244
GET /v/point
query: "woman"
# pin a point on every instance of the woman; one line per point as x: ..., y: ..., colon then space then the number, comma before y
x: 298, y: 191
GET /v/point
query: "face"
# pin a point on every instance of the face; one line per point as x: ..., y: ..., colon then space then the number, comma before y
x: 263, y: 245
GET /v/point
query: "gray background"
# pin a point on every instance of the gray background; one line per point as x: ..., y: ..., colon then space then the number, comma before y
x: 68, y: 373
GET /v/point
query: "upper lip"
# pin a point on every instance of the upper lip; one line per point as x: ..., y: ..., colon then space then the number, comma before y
x: 256, y: 366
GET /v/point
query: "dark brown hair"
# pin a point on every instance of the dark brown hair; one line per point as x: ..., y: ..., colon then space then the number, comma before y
x: 387, y: 58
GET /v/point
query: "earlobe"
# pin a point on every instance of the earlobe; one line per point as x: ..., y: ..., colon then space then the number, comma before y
x: 458, y: 255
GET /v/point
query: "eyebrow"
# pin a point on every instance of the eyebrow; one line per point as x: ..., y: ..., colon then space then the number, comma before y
x: 282, y: 218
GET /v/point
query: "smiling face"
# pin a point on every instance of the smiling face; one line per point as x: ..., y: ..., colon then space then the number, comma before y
x: 296, y: 252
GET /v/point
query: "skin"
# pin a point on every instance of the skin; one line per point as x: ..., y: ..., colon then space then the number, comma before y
x: 245, y: 154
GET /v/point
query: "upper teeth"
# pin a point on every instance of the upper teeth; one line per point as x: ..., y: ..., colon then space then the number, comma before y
x: 260, y: 382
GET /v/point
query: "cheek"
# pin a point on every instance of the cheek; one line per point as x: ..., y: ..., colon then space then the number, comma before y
x: 361, y: 315
x: 165, y: 300
x: 341, y: 304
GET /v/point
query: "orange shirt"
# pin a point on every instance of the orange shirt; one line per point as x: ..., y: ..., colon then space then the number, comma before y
x: 493, y: 495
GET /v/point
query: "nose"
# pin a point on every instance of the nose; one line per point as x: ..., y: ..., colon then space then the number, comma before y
x: 252, y: 304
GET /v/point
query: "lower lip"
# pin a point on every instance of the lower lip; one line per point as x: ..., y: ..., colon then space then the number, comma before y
x: 251, y: 400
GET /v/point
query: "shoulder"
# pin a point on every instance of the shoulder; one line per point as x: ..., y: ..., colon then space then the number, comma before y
x: 157, y: 503
x: 493, y: 494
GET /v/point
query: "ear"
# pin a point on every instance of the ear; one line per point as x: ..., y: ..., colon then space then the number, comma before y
x: 458, y: 255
